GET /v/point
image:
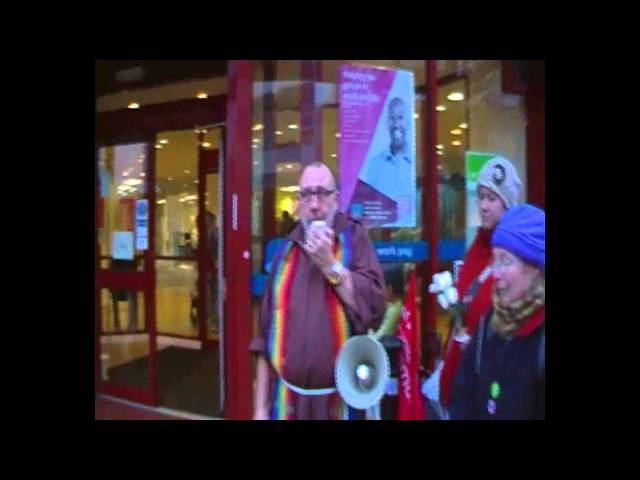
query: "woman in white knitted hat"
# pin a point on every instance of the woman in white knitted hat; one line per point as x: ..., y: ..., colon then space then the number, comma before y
x: 498, y: 188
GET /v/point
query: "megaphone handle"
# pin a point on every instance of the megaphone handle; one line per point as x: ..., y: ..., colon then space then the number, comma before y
x: 373, y: 413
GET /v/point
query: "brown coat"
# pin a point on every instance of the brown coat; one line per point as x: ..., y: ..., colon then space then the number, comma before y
x: 309, y: 361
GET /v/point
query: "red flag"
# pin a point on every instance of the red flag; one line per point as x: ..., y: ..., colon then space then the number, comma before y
x: 410, y: 405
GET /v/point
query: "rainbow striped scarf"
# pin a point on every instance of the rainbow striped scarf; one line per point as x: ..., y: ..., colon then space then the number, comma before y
x: 285, y: 262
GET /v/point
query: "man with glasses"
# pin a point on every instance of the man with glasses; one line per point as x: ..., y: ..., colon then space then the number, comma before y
x: 325, y: 284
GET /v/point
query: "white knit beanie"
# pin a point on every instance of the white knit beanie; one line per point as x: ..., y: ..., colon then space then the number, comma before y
x: 500, y: 176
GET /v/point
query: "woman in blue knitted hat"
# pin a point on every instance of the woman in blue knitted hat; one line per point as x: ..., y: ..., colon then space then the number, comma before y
x: 501, y: 374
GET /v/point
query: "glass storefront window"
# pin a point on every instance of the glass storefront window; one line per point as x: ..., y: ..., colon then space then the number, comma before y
x: 294, y: 122
x: 124, y: 349
x: 122, y: 180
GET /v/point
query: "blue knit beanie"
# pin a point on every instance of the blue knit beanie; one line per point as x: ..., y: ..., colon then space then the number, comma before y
x: 521, y: 232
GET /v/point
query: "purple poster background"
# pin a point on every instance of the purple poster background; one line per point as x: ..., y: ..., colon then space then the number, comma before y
x: 362, y: 92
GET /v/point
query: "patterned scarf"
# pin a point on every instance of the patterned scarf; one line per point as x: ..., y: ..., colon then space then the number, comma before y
x: 506, y: 320
x: 283, y: 399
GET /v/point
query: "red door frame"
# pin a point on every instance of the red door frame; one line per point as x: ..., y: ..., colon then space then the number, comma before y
x: 132, y: 126
x: 237, y: 243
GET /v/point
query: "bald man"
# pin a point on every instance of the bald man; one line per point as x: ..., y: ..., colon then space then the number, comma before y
x: 391, y: 171
x: 325, y: 284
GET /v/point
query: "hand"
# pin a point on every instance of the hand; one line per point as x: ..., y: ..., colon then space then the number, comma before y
x: 319, y: 245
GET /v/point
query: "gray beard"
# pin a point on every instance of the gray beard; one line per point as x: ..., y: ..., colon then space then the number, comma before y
x: 330, y: 216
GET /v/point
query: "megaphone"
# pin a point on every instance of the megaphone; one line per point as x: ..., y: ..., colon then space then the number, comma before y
x: 361, y: 373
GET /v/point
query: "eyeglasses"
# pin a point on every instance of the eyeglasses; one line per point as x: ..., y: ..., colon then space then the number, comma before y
x: 307, y: 194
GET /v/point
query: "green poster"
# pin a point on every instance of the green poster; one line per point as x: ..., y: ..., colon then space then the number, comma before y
x: 473, y: 162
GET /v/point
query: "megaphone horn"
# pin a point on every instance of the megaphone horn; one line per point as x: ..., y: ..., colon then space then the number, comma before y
x: 362, y: 371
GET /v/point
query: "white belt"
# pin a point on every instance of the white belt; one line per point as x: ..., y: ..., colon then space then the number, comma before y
x: 309, y: 391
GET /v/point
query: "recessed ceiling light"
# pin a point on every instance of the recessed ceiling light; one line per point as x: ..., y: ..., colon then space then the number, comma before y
x: 160, y: 202
x: 440, y: 147
x: 170, y: 178
x: 254, y: 146
x: 337, y: 135
x: 441, y: 108
x: 293, y: 126
x: 463, y: 125
x: 125, y: 174
x: 278, y: 132
x: 202, y: 95
x: 140, y: 160
x: 142, y: 174
x: 206, y: 144
x: 133, y: 105
x: 257, y: 127
x: 456, y: 143
x: 439, y: 152
x: 416, y: 115
x: 333, y: 155
x: 158, y: 146
x: 196, y: 181
x: 455, y: 96
x: 256, y: 140
x: 164, y: 141
x: 456, y: 131
x: 187, y: 171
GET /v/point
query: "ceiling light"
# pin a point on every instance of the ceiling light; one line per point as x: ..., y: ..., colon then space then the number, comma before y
x: 440, y: 152
x: 293, y: 126
x: 257, y: 127
x: 333, y: 155
x: 133, y: 106
x: 196, y: 181
x: 206, y: 144
x: 337, y: 135
x: 164, y: 141
x: 278, y: 132
x: 455, y: 96
x: 256, y: 140
x: 294, y: 188
x: 441, y: 108
x: 456, y: 131
x: 202, y: 95
x: 415, y: 115
x: 142, y: 174
x: 133, y: 181
x: 170, y: 178
x: 158, y: 146
x: 160, y: 202
x: 463, y: 125
x: 456, y: 143
x: 440, y: 147
x: 125, y: 174
x: 187, y: 171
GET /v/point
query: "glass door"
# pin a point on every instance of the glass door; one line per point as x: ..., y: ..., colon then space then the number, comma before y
x: 125, y: 322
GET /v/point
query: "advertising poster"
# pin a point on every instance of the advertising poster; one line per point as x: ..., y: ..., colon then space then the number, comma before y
x: 376, y: 145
